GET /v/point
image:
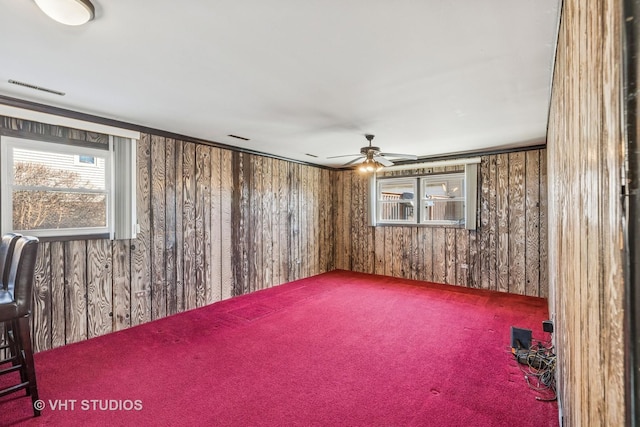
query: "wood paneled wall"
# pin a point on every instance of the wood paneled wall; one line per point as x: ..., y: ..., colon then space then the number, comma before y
x: 216, y: 223
x: 213, y: 224
x: 506, y: 253
x: 585, y: 159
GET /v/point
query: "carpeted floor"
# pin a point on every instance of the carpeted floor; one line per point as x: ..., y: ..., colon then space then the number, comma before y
x: 340, y: 348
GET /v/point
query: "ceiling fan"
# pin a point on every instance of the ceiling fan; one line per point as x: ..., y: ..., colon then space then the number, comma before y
x: 374, y: 159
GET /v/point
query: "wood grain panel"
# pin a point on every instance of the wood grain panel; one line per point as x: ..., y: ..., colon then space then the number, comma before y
x: 141, y: 246
x: 215, y: 257
x: 243, y: 217
x: 493, y: 223
x: 323, y: 182
x: 407, y: 252
x: 226, y: 197
x: 462, y: 257
x: 388, y: 244
x: 485, y: 218
x: 202, y: 219
x: 414, y: 263
x: 379, y: 249
x: 341, y: 211
x: 276, y: 221
x: 305, y: 258
x: 189, y: 224
x: 121, y: 284
x: 267, y: 223
x: 439, y: 255
x: 294, y: 221
x: 396, y: 256
x: 41, y: 308
x: 532, y: 223
x: 158, y: 231
x: 346, y: 219
x: 75, y: 292
x: 257, y: 229
x: 170, y: 227
x: 584, y: 265
x: 355, y: 232
x: 502, y: 227
x: 207, y: 235
x: 331, y: 229
x: 477, y: 276
x: 316, y: 219
x: 590, y: 209
x: 450, y: 256
x: 426, y: 253
x: 180, y: 228
x: 517, y: 214
x: 307, y: 227
x: 58, y: 319
x: 203, y: 192
x: 99, y: 288
x: 285, y: 228
x: 544, y: 223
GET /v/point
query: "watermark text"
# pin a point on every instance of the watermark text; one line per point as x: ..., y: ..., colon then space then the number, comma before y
x: 89, y: 404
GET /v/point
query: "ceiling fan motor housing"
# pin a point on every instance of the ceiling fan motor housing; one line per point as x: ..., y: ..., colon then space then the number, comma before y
x: 370, y: 149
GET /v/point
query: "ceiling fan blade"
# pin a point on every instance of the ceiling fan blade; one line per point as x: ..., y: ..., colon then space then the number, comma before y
x: 405, y: 156
x: 354, y: 161
x: 384, y: 161
x: 345, y: 155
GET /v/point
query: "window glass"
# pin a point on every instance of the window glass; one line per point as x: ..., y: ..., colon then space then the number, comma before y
x: 436, y: 199
x: 88, y: 160
x: 443, y: 199
x: 396, y: 201
x: 47, y: 191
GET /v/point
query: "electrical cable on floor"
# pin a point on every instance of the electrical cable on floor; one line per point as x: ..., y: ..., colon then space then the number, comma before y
x: 538, y: 364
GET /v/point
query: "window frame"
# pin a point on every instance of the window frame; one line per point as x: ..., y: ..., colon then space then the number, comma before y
x: 9, y: 143
x: 470, y: 190
x: 380, y: 202
x: 422, y: 179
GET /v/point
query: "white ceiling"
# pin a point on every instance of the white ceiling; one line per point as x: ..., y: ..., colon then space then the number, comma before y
x: 427, y: 77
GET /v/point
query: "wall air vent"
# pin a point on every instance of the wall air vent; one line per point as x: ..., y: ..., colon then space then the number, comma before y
x: 239, y: 137
x: 30, y: 86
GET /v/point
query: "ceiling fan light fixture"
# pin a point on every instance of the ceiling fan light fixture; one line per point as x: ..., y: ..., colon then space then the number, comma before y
x: 370, y: 165
x: 68, y: 12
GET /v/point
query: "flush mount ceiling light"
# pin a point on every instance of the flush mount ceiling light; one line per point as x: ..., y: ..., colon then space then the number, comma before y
x: 68, y: 12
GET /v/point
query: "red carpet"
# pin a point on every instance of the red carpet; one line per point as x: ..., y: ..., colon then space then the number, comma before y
x: 341, y: 348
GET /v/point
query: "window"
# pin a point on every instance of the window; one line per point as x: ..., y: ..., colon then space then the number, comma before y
x: 447, y: 199
x: 85, y: 160
x: 442, y: 199
x: 48, y: 191
x: 396, y: 200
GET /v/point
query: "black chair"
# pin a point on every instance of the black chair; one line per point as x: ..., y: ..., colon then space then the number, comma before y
x: 15, y: 313
x: 7, y: 245
x: 6, y: 252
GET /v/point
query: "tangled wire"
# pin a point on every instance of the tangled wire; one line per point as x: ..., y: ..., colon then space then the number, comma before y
x: 538, y: 364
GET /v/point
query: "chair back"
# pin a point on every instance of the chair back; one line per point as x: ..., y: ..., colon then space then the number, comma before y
x: 21, y: 272
x: 7, y: 245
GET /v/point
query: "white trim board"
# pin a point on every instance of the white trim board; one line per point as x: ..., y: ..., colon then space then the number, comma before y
x: 36, y: 116
x: 434, y: 164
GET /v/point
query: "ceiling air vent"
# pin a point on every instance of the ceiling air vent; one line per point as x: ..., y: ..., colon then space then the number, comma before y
x: 239, y: 137
x: 30, y: 86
